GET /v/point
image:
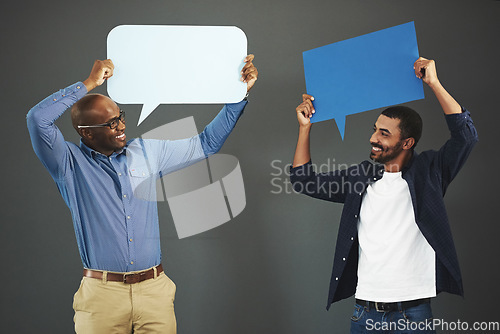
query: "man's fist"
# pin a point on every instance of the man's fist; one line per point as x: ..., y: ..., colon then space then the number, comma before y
x: 305, y: 110
x: 102, y: 70
x: 425, y: 69
x: 249, y: 72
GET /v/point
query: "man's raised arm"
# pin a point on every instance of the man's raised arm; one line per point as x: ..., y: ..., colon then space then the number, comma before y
x: 47, y: 140
x: 332, y: 186
x: 181, y: 153
x: 456, y: 150
x: 304, y: 111
x: 215, y: 134
x: 425, y: 69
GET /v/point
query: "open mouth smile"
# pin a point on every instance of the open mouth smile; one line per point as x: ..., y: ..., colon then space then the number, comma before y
x: 121, y: 137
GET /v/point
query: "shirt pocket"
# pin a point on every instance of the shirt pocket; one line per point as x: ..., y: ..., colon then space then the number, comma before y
x: 140, y: 172
x: 143, y: 183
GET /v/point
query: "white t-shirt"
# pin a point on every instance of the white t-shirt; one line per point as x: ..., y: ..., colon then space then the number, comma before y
x: 396, y: 263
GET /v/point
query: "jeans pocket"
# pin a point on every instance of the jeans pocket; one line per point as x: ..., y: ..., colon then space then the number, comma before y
x: 419, y: 313
x: 358, y: 313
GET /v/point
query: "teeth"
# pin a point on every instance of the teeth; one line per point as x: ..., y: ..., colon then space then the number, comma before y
x: 377, y: 149
x: 120, y: 136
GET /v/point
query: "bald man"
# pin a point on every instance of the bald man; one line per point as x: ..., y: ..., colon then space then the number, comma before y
x: 108, y: 183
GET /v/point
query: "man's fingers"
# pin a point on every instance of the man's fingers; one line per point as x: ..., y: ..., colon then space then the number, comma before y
x: 307, y: 97
x: 248, y: 66
x: 248, y: 70
x: 249, y: 58
x: 108, y: 63
x: 249, y: 74
x: 310, y: 106
x: 307, y: 100
x: 306, y: 109
x: 425, y: 69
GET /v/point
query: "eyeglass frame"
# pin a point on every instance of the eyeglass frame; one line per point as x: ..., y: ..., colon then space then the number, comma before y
x: 118, y: 119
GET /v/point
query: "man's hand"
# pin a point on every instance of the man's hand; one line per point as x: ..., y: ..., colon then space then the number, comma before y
x: 249, y: 72
x: 305, y: 110
x: 425, y: 69
x: 102, y: 70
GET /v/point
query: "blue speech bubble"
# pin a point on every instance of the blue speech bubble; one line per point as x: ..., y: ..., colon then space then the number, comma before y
x: 363, y: 73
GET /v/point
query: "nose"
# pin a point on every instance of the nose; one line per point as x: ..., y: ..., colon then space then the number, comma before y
x: 121, y: 125
x: 374, y: 138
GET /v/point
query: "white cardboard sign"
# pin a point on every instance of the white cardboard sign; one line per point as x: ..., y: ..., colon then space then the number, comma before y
x: 161, y: 64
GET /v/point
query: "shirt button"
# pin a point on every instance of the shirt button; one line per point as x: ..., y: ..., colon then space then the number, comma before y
x: 54, y: 100
x: 119, y: 174
x: 130, y: 239
x: 336, y: 278
x: 128, y: 217
x: 359, y: 194
x: 131, y: 262
x: 352, y: 238
x: 343, y: 259
x: 77, y: 87
x: 355, y: 216
x: 124, y: 196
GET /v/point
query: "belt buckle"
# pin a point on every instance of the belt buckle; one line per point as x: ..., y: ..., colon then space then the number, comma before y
x: 126, y: 278
x: 382, y: 307
x: 134, y: 277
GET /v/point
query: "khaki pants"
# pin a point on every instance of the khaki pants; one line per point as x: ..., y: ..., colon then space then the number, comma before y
x: 116, y: 307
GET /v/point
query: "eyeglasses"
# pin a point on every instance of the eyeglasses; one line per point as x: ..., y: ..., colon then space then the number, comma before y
x: 113, y: 124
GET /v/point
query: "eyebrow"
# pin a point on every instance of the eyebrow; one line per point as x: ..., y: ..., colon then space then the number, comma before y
x: 382, y: 129
x: 114, y: 118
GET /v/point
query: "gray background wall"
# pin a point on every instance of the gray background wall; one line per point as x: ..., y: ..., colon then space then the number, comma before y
x: 266, y: 271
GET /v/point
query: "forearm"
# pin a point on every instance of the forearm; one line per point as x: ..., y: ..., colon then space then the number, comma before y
x: 447, y: 102
x: 45, y: 113
x: 47, y: 140
x: 215, y: 134
x: 302, y: 151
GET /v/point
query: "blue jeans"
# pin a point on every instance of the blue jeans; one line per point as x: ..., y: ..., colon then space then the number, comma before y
x: 416, y: 319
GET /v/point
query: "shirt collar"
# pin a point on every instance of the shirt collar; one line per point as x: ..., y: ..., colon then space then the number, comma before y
x: 93, y: 153
x: 410, y: 162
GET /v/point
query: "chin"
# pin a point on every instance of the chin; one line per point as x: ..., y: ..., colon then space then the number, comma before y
x: 119, y: 147
x: 373, y: 157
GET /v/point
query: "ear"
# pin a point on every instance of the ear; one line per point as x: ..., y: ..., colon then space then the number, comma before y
x: 408, y: 143
x: 86, y: 133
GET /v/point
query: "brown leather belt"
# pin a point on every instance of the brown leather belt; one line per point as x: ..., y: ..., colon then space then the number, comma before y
x: 129, y: 278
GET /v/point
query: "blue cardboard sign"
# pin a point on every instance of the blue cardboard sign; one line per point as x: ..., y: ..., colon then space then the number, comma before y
x: 363, y: 73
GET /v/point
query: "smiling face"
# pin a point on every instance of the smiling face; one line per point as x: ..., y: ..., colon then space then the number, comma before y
x: 387, y: 145
x: 102, y: 139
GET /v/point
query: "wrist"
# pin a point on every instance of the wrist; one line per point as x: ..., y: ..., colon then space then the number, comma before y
x: 89, y: 84
x: 305, y: 128
x: 435, y: 85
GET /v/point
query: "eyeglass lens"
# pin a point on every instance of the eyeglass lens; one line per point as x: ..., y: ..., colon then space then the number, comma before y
x: 116, y: 121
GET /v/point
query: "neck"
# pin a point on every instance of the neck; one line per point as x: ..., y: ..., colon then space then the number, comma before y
x: 397, y: 164
x: 104, y: 152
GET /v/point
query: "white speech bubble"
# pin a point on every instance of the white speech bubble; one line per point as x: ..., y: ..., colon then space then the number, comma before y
x: 158, y: 64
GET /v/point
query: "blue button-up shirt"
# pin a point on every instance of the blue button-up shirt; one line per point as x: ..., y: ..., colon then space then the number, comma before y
x: 428, y: 175
x: 113, y: 199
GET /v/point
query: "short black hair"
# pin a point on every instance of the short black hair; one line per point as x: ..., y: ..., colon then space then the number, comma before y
x: 410, y: 122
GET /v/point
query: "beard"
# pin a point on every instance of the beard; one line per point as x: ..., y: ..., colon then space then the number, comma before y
x: 387, y: 154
